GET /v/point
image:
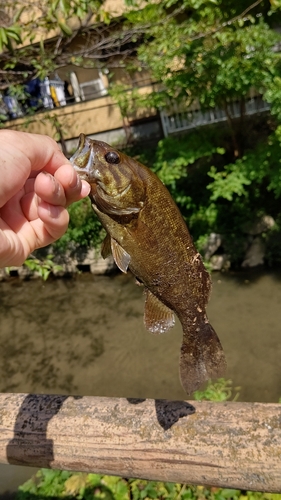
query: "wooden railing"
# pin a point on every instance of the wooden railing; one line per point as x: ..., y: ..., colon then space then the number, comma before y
x: 230, y: 444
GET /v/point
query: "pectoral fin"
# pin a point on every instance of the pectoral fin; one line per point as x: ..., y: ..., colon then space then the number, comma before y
x: 157, y: 317
x: 106, y: 246
x: 121, y: 257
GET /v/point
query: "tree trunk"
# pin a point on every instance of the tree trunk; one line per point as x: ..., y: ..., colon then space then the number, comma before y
x: 235, y: 142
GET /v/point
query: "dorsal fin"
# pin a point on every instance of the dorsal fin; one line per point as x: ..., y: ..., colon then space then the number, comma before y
x: 158, y: 318
x: 121, y: 257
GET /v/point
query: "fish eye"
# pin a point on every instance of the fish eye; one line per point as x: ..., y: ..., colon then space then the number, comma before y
x: 112, y: 157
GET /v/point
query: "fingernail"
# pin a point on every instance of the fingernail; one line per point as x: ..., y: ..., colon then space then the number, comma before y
x: 76, y: 181
x: 54, y: 211
x: 85, y: 189
x: 45, y: 173
x: 56, y: 184
x: 57, y: 187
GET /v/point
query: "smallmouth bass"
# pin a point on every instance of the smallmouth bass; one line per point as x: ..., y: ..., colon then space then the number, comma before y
x: 147, y: 234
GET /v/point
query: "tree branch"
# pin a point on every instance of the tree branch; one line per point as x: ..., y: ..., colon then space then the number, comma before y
x: 227, y: 23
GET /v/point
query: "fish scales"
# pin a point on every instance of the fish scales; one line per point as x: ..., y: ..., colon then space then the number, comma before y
x: 147, y: 234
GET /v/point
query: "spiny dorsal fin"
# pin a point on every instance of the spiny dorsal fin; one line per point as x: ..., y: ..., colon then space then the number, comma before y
x: 121, y: 257
x: 106, y: 246
x: 157, y: 317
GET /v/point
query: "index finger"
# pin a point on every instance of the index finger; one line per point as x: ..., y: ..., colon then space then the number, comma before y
x: 41, y: 151
x: 22, y: 156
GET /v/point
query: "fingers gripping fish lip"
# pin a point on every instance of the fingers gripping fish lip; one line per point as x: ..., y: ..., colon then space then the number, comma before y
x: 83, y: 161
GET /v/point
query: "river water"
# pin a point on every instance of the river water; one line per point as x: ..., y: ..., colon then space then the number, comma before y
x: 85, y: 336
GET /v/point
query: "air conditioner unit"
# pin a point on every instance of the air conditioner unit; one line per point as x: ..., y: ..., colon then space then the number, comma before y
x: 92, y: 89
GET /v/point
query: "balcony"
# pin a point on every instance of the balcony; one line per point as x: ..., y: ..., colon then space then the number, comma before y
x: 89, y: 109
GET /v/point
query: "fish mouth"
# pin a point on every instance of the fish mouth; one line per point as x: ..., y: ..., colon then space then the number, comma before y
x: 83, y: 161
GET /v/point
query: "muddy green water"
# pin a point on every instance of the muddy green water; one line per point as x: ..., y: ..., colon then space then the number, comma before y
x: 86, y: 336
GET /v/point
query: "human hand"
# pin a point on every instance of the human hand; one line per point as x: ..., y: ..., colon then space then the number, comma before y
x: 37, y: 183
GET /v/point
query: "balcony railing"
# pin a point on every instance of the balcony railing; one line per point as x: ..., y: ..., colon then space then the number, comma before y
x: 49, y: 94
x: 176, y: 120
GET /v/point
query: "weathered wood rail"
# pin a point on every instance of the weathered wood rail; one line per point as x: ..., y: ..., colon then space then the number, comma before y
x: 234, y: 445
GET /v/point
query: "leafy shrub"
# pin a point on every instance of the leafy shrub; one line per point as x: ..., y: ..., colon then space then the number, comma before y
x: 221, y: 390
x: 84, y: 229
x: 213, y: 193
x: 43, y: 267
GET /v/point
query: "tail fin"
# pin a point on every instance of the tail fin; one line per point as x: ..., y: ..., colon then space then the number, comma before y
x: 201, y: 357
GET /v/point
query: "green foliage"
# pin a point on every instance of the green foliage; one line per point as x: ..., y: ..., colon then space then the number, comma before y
x: 84, y: 228
x: 207, y: 50
x: 76, y: 485
x: 8, y: 35
x: 221, y: 390
x: 239, y: 193
x: 48, y: 15
x: 213, y: 194
x: 178, y: 161
x: 43, y: 267
x: 228, y: 182
x: 175, y: 154
x: 45, y: 483
x: 260, y: 165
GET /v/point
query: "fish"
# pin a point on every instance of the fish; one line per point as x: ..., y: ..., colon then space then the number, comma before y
x: 146, y: 234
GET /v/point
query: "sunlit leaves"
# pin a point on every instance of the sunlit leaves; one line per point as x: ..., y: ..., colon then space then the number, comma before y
x: 174, y: 155
x: 229, y: 182
x: 208, y: 50
x: 221, y: 390
x: 81, y: 486
x: 41, y: 18
x: 8, y: 35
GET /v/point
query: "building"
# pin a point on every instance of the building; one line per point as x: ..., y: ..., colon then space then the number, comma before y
x: 76, y: 99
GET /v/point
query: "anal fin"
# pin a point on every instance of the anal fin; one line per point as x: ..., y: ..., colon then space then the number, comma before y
x: 121, y: 257
x: 158, y: 318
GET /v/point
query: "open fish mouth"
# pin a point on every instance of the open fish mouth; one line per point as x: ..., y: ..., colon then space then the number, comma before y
x: 83, y: 161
